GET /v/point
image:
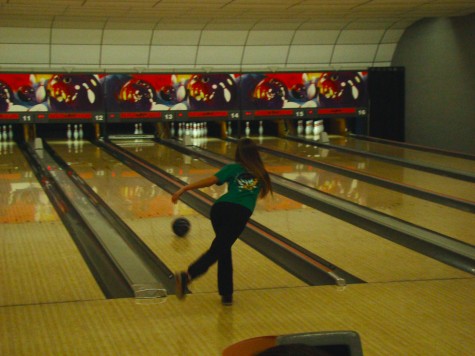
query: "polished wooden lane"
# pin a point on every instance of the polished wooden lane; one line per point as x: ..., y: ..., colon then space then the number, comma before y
x: 149, y: 212
x: 431, y: 158
x: 436, y: 217
x: 39, y: 261
x: 400, y: 318
x: 430, y: 182
x: 355, y: 250
x: 359, y: 252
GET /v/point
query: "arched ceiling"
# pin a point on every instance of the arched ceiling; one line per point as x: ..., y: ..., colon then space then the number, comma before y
x: 224, y: 15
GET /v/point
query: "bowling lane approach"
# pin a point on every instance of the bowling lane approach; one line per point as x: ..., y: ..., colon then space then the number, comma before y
x: 40, y: 262
x: 357, y: 251
x: 149, y: 212
x: 445, y: 220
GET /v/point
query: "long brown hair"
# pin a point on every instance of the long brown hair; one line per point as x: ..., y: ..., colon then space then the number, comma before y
x: 248, y: 155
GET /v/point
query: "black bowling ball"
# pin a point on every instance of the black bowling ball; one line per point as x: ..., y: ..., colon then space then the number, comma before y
x: 181, y: 227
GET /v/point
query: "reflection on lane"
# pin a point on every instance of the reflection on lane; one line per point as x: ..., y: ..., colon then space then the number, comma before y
x: 22, y: 198
x: 446, y: 186
x: 118, y: 184
x: 436, y: 217
x: 434, y: 159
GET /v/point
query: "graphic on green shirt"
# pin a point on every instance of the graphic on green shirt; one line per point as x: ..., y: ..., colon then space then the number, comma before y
x: 243, y: 187
x: 246, y: 181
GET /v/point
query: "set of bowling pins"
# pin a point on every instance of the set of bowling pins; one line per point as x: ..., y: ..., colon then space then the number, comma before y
x: 6, y: 133
x: 193, y: 129
x: 260, y: 130
x: 247, y: 129
x: 314, y: 128
x: 138, y: 129
x: 75, y: 132
x: 6, y: 136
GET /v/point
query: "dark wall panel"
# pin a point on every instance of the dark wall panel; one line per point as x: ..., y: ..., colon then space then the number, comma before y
x: 386, y: 108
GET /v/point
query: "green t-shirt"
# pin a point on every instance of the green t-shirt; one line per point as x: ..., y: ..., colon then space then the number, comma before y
x: 243, y: 187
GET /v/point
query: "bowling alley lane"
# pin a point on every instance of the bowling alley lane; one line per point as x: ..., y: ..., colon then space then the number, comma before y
x: 414, y: 155
x: 413, y: 178
x: 149, y: 212
x: 445, y: 220
x: 40, y: 262
x: 357, y: 251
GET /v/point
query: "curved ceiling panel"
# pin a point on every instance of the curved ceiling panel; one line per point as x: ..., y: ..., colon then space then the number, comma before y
x: 187, y: 34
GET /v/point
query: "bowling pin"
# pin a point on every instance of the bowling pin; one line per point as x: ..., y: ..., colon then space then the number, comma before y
x: 90, y: 94
x: 230, y: 129
x: 261, y: 128
x: 248, y: 129
x: 299, y: 128
x: 69, y: 134
x: 76, y: 133
x: 81, y: 132
x: 180, y: 129
x: 10, y: 133
x: 41, y: 92
x: 172, y: 130
x: 315, y: 128
x: 5, y: 134
x: 136, y: 131
x: 140, y: 128
x: 194, y: 132
x: 200, y: 129
x: 308, y: 128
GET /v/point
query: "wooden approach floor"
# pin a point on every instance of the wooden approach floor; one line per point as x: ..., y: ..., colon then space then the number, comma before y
x: 50, y: 304
x: 401, y: 318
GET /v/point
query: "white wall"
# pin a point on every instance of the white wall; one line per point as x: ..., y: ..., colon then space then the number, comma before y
x: 178, y: 50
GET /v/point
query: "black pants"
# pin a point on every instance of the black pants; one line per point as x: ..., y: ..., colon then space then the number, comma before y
x: 228, y: 220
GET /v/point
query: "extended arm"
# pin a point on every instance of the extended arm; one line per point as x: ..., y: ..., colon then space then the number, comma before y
x: 206, y: 182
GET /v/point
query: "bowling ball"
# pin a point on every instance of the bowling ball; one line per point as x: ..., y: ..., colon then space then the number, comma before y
x: 212, y: 91
x: 6, y: 96
x: 167, y: 93
x: 26, y: 94
x: 137, y: 95
x: 341, y: 89
x: 247, y: 84
x: 181, y: 227
x: 74, y: 92
x: 298, y: 92
x: 270, y: 93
